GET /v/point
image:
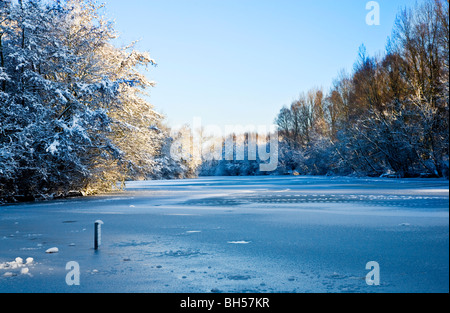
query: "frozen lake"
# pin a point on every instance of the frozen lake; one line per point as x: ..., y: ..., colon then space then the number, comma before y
x: 240, y: 234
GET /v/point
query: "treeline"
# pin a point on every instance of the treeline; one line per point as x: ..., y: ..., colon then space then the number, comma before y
x: 388, y: 117
x: 240, y: 154
x: 73, y: 113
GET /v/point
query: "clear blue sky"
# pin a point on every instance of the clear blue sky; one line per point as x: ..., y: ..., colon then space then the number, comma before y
x: 240, y: 61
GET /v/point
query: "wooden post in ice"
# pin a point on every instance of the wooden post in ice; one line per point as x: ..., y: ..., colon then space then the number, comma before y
x: 98, y: 234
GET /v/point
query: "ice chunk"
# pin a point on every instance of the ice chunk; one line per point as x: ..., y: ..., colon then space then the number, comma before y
x: 52, y: 250
x: 17, y: 263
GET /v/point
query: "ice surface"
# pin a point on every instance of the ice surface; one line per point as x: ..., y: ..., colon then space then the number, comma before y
x: 241, y: 234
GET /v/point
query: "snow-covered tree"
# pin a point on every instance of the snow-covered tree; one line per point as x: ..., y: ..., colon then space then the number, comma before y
x: 389, y: 116
x: 73, y: 114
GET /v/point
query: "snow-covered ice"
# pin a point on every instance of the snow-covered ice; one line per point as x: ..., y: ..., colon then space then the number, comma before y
x: 235, y: 234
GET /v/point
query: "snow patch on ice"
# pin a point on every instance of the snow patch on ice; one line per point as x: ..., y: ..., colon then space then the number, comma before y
x: 242, y: 242
x: 17, y: 264
x: 179, y: 214
x: 52, y: 250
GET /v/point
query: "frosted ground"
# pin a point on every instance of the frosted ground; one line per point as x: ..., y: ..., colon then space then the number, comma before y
x: 221, y: 234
